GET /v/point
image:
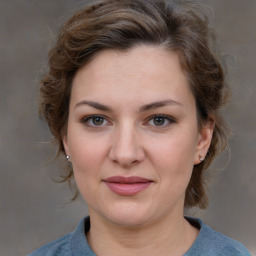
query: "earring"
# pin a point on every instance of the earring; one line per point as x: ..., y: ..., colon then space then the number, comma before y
x: 67, y: 157
x: 201, y: 158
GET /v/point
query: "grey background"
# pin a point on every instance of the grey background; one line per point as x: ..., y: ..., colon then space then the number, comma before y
x: 33, y: 208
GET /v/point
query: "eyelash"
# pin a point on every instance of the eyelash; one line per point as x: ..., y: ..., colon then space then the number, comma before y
x: 167, y: 118
x: 86, y: 120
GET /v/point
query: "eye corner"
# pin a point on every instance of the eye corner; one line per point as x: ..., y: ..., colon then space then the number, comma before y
x: 163, y: 121
x: 95, y: 121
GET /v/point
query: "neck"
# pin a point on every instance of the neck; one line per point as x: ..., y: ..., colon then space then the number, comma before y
x: 166, y: 237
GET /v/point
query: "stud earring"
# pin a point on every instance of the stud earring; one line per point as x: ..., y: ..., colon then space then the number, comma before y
x: 201, y: 158
x: 67, y: 157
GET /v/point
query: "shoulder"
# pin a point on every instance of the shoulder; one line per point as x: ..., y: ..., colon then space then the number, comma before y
x: 60, y: 246
x: 74, y: 243
x: 226, y: 245
x: 210, y: 242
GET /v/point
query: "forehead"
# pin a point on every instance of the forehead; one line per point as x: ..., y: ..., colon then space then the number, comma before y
x: 150, y: 71
x: 138, y: 60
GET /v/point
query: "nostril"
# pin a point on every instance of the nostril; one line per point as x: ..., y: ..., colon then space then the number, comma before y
x: 125, y: 160
x: 126, y: 148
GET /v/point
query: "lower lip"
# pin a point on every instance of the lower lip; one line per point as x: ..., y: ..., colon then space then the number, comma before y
x: 126, y: 189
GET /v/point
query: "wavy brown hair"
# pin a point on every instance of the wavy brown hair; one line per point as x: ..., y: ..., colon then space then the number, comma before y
x: 121, y: 25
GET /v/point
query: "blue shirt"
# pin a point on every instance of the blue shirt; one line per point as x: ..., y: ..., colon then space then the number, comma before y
x: 207, y: 243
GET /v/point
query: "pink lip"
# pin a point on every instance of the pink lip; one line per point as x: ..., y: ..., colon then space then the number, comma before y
x: 127, y: 186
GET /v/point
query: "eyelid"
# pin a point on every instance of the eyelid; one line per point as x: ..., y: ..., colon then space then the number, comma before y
x: 85, y: 119
x: 167, y: 117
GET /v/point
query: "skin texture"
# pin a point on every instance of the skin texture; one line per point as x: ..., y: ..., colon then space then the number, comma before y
x: 127, y: 139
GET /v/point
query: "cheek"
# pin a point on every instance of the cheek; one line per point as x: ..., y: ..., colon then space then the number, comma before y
x: 87, y: 153
x: 87, y: 159
x: 175, y: 155
x: 176, y: 149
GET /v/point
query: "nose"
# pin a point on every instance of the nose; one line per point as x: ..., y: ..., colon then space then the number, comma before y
x: 126, y: 149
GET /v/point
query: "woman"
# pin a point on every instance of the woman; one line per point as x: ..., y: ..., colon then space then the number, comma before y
x: 132, y: 98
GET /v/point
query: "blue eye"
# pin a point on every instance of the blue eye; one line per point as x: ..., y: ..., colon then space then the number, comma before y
x: 160, y: 120
x: 95, y: 120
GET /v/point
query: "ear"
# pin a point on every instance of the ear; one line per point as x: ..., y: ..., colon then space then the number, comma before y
x: 204, y: 141
x: 65, y: 144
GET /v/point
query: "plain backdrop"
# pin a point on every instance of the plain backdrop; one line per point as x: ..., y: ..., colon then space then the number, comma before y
x: 34, y: 209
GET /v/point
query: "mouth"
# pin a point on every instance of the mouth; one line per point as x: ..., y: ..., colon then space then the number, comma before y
x: 127, y: 186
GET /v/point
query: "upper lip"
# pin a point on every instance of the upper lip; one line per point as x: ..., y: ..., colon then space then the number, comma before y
x: 127, y: 180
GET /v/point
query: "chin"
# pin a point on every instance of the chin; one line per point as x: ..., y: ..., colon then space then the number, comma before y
x: 128, y: 216
x: 129, y: 221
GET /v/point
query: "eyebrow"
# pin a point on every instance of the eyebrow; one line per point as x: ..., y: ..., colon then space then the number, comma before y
x: 144, y: 108
x: 159, y: 104
x: 94, y: 105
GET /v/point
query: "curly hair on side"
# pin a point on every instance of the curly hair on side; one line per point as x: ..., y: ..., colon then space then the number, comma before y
x: 121, y: 25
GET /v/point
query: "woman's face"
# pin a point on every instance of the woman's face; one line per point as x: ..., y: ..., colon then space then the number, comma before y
x: 133, y: 135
